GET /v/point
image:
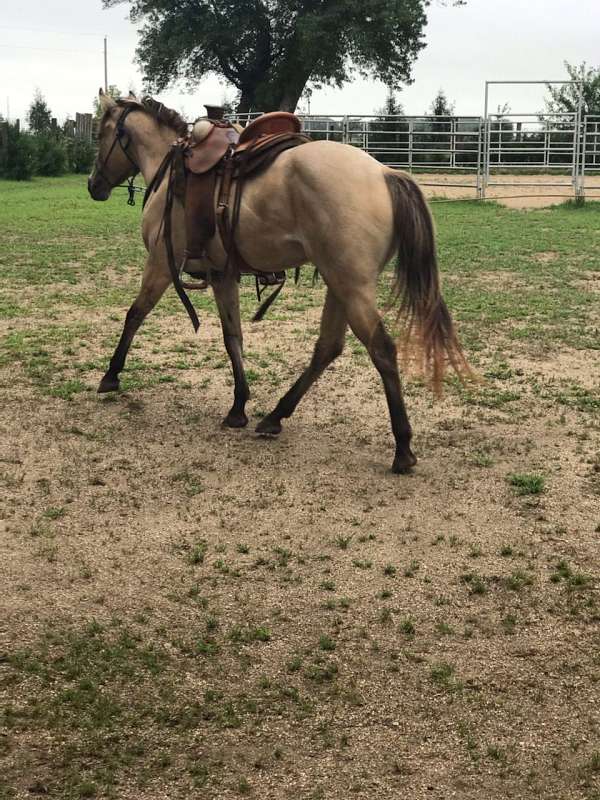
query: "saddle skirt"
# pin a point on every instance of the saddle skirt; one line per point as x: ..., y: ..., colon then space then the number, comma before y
x: 209, y: 142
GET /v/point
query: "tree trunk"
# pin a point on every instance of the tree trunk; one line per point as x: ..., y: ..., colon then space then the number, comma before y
x: 246, y: 102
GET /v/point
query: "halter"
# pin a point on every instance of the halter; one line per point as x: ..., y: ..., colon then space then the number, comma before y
x: 120, y: 134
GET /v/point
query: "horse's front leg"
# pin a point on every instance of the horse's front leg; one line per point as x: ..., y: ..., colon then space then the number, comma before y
x: 155, y: 280
x: 227, y: 296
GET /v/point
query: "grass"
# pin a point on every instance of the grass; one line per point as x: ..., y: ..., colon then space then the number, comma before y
x: 525, y: 483
x: 194, y: 612
x: 542, y: 304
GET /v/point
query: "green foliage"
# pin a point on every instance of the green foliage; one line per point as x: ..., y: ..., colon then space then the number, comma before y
x: 50, y: 154
x: 441, y: 106
x: 80, y: 155
x: 565, y: 99
x: 17, y: 158
x: 113, y: 91
x: 270, y: 49
x: 39, y: 116
x: 525, y: 483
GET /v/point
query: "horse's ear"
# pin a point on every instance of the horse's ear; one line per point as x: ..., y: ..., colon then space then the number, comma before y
x: 106, y: 101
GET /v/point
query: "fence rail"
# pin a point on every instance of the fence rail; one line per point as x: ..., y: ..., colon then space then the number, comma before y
x: 565, y: 147
x: 82, y: 127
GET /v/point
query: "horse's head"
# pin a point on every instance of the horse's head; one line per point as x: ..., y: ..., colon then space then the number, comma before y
x: 115, y: 161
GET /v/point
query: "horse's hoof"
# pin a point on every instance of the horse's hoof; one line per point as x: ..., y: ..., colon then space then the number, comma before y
x: 403, y: 464
x: 233, y: 420
x: 108, y: 384
x: 269, y: 426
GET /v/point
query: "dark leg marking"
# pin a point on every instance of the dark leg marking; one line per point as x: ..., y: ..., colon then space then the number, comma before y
x: 383, y: 354
x: 329, y: 346
x: 133, y: 321
x: 236, y: 418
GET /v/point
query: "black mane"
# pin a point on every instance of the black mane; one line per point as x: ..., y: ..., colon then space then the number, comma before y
x: 159, y: 111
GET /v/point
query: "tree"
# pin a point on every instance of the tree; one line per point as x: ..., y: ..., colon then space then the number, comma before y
x: 269, y: 49
x: 388, y: 135
x: 39, y: 116
x: 17, y: 156
x: 440, y: 106
x: 565, y: 99
x: 437, y: 134
x: 392, y: 107
x: 113, y: 91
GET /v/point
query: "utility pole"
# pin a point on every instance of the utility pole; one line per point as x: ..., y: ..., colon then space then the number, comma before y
x: 105, y: 65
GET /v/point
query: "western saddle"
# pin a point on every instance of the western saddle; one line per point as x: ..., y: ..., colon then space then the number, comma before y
x: 207, y: 173
x: 218, y: 159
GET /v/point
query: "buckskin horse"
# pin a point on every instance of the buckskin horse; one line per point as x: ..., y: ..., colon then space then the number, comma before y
x: 324, y: 203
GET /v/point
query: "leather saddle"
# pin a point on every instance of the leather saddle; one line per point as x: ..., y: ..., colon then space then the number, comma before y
x: 218, y: 158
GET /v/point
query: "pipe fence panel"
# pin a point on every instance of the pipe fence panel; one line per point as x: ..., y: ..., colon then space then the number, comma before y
x: 591, y: 144
x: 485, y: 151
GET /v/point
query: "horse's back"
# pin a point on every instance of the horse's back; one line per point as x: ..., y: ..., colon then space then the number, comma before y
x: 339, y: 197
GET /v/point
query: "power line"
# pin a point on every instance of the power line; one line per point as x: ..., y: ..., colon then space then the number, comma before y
x: 51, y: 49
x: 55, y: 33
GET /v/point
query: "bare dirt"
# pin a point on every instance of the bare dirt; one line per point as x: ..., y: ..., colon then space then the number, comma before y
x: 513, y: 191
x: 193, y: 612
x: 436, y: 648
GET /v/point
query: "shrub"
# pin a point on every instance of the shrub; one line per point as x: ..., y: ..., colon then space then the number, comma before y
x: 51, y: 155
x: 17, y: 158
x: 81, y: 154
x: 525, y: 483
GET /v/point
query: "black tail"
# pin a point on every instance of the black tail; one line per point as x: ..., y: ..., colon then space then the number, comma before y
x: 416, y: 289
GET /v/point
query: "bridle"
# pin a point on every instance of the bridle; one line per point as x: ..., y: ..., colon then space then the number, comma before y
x: 123, y: 139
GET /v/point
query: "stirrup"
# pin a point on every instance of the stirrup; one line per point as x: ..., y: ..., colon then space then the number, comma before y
x: 271, y: 278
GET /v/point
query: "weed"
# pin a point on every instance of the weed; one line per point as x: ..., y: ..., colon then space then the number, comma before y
x: 343, y: 542
x: 412, y: 569
x: 526, y: 484
x: 476, y: 583
x: 517, y: 580
x: 326, y: 643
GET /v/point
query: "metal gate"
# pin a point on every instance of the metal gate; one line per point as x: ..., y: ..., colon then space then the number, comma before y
x: 478, y: 153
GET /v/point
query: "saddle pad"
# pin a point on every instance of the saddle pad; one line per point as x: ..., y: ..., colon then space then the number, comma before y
x: 202, y: 157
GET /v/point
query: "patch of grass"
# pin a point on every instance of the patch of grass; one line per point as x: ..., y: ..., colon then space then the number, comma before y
x: 525, y: 483
x: 248, y: 635
x: 517, y: 580
x: 574, y: 580
x: 326, y: 643
x: 443, y: 674
x: 343, y: 542
x: 197, y: 553
x: 475, y: 582
x: 411, y: 570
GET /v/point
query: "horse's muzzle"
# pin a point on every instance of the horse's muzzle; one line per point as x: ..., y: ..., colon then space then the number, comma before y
x: 98, y: 188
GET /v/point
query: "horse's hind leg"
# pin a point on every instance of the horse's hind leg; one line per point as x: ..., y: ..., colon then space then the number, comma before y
x: 154, y: 282
x: 329, y: 346
x: 227, y: 296
x: 365, y: 321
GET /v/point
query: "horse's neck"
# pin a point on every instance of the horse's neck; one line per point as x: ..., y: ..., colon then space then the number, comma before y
x: 150, y: 147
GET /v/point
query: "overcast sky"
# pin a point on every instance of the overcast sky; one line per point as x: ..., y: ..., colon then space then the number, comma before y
x: 57, y: 46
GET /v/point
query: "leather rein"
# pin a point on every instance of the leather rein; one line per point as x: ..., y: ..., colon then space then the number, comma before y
x: 173, y: 167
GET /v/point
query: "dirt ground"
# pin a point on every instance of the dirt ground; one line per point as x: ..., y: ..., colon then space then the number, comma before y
x: 194, y: 612
x: 513, y: 191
